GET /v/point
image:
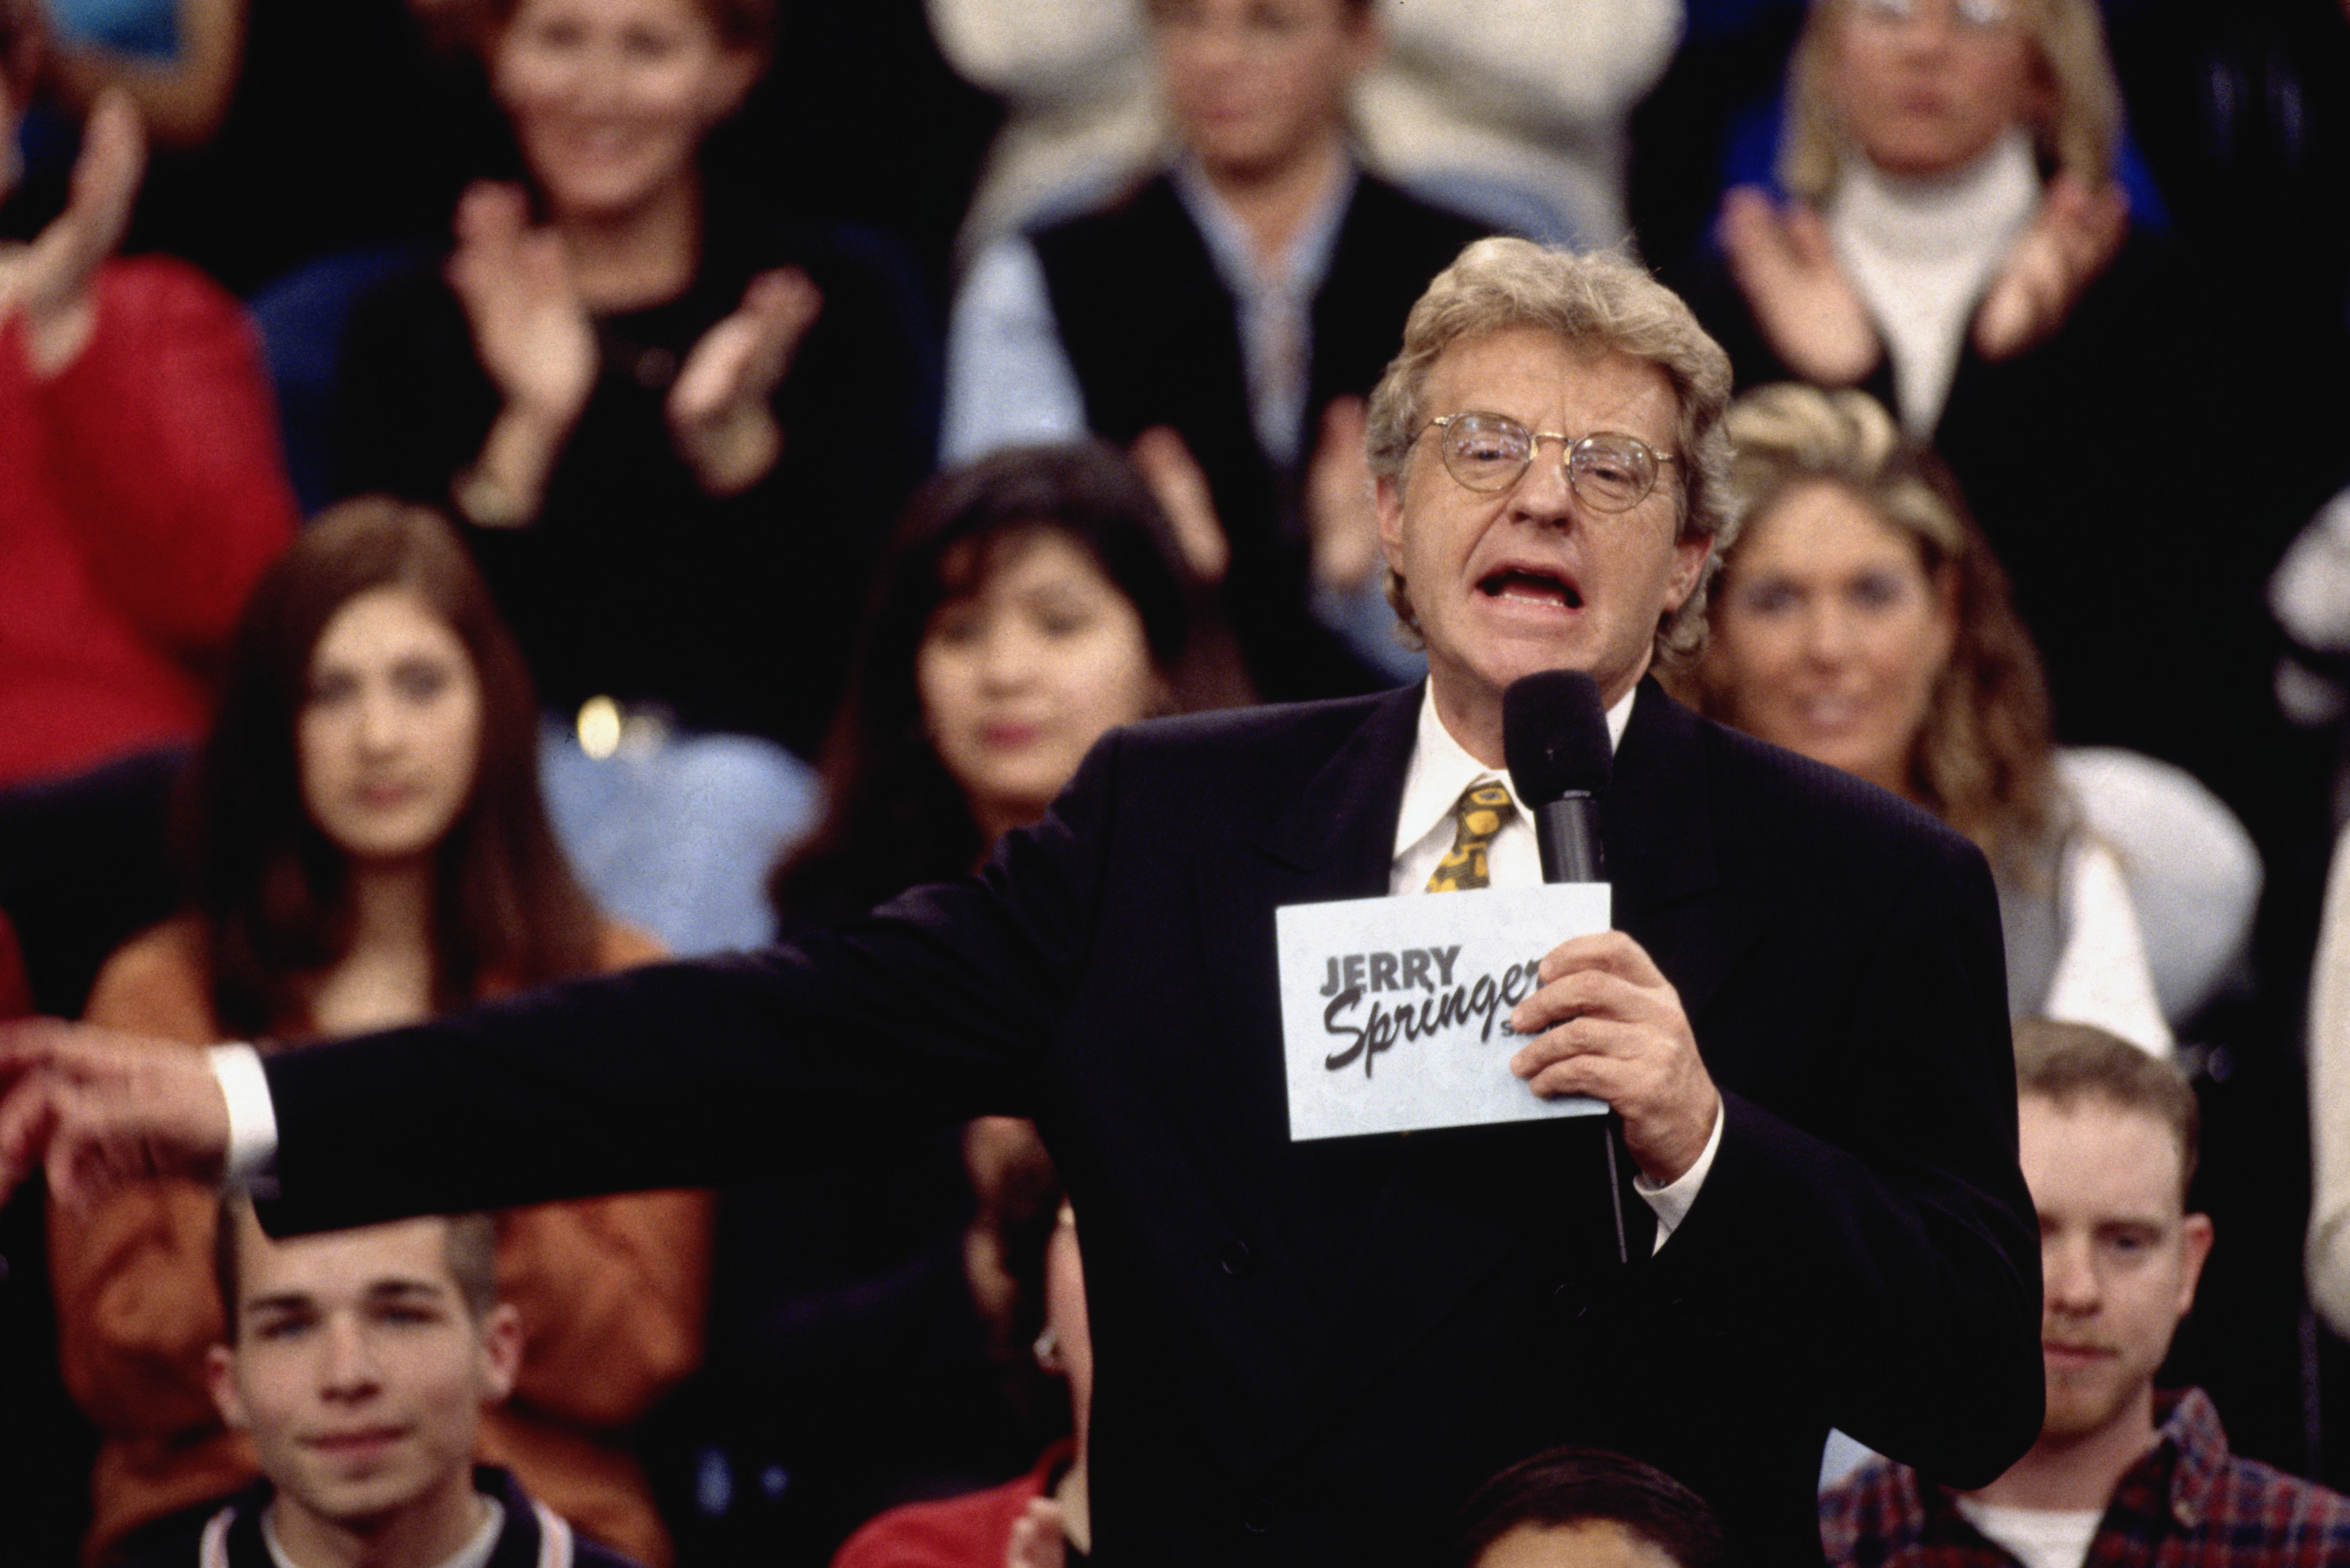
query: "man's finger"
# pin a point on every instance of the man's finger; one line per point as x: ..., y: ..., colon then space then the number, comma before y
x: 1581, y: 992
x: 1611, y: 1038
x: 28, y: 1123
x: 1611, y: 950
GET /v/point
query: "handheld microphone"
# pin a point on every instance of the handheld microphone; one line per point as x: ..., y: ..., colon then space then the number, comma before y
x: 1555, y: 739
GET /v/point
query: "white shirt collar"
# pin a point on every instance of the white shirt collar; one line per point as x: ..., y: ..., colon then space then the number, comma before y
x: 1301, y: 271
x: 474, y: 1553
x: 1442, y: 768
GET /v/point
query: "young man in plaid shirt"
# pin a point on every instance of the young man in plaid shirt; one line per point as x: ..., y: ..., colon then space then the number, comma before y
x: 2121, y: 1474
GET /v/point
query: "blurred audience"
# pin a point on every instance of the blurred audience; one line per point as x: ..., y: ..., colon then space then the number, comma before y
x: 674, y: 418
x: 1031, y: 602
x: 1583, y: 1508
x: 1954, y: 241
x: 1025, y: 1246
x: 1226, y: 320
x: 139, y: 480
x: 1862, y: 621
x: 366, y: 847
x: 175, y: 59
x: 360, y: 1364
x: 2122, y: 1473
x: 1515, y: 114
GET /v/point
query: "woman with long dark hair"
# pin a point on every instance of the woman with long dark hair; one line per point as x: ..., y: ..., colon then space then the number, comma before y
x: 1030, y: 601
x: 367, y: 846
x: 919, y: 789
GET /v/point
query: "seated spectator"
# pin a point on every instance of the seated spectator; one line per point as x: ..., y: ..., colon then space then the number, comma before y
x: 1031, y: 602
x: 2122, y: 1474
x: 1519, y: 124
x: 1861, y: 621
x: 176, y: 59
x: 1956, y: 244
x: 367, y: 847
x: 1581, y: 1507
x: 1025, y: 1240
x: 1225, y: 320
x: 674, y: 419
x: 139, y: 478
x: 359, y: 1364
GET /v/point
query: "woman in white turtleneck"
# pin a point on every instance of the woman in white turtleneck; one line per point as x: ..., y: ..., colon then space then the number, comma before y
x: 1920, y: 223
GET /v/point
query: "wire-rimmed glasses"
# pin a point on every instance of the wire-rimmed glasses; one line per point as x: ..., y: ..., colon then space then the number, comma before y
x: 1607, y: 470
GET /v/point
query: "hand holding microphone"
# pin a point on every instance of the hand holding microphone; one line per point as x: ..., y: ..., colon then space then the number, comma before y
x: 1605, y: 1023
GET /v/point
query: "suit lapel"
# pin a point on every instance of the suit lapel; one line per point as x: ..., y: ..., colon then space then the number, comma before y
x: 1658, y: 822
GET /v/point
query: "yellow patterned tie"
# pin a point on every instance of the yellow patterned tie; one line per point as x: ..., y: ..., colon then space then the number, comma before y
x: 1479, y: 815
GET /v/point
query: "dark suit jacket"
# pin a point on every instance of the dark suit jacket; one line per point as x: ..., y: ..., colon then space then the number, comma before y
x: 1311, y: 1353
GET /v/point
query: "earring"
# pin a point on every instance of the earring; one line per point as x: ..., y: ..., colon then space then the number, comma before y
x: 1048, y: 1349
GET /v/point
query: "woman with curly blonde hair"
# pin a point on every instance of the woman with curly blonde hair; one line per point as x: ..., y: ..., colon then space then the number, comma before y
x: 1862, y: 621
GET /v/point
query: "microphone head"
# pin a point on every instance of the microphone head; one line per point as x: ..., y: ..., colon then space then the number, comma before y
x: 1554, y: 736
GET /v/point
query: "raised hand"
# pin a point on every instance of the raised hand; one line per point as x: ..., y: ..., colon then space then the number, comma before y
x: 1339, y: 518
x: 2073, y: 238
x: 533, y: 339
x: 1179, y: 481
x: 50, y: 282
x: 98, y: 1110
x: 1608, y: 1023
x: 1788, y: 271
x: 1037, y: 1538
x: 718, y: 409
x: 530, y: 328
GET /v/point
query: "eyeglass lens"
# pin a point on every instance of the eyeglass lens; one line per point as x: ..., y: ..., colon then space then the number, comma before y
x: 1489, y: 451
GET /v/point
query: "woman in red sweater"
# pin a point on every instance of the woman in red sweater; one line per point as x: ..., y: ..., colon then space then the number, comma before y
x: 141, y: 484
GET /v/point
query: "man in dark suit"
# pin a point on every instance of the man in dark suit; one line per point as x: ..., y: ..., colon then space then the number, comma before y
x: 1313, y: 1352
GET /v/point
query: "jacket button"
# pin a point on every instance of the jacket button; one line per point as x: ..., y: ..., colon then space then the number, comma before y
x: 1235, y: 1259
x: 1570, y: 1300
x: 1258, y: 1520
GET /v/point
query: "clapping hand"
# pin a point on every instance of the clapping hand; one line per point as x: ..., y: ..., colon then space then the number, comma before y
x: 98, y: 1110
x: 718, y: 407
x: 1180, y: 484
x: 1788, y: 271
x: 2073, y: 238
x: 1339, y: 516
x: 530, y: 329
x: 50, y: 283
x: 1037, y: 1539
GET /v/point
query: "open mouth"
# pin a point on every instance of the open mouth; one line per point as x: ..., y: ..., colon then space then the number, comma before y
x: 1531, y: 587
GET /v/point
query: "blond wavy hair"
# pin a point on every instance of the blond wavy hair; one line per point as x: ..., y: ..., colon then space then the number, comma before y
x: 2081, y: 134
x: 1593, y: 300
x: 1983, y: 760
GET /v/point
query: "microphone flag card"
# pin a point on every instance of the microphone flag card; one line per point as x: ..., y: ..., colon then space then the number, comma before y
x: 1395, y: 1012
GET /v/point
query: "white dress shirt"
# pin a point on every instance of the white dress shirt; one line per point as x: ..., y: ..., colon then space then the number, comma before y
x: 1440, y: 770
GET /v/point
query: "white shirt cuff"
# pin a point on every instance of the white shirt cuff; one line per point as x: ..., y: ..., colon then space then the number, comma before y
x: 252, y: 1119
x: 1672, y: 1201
